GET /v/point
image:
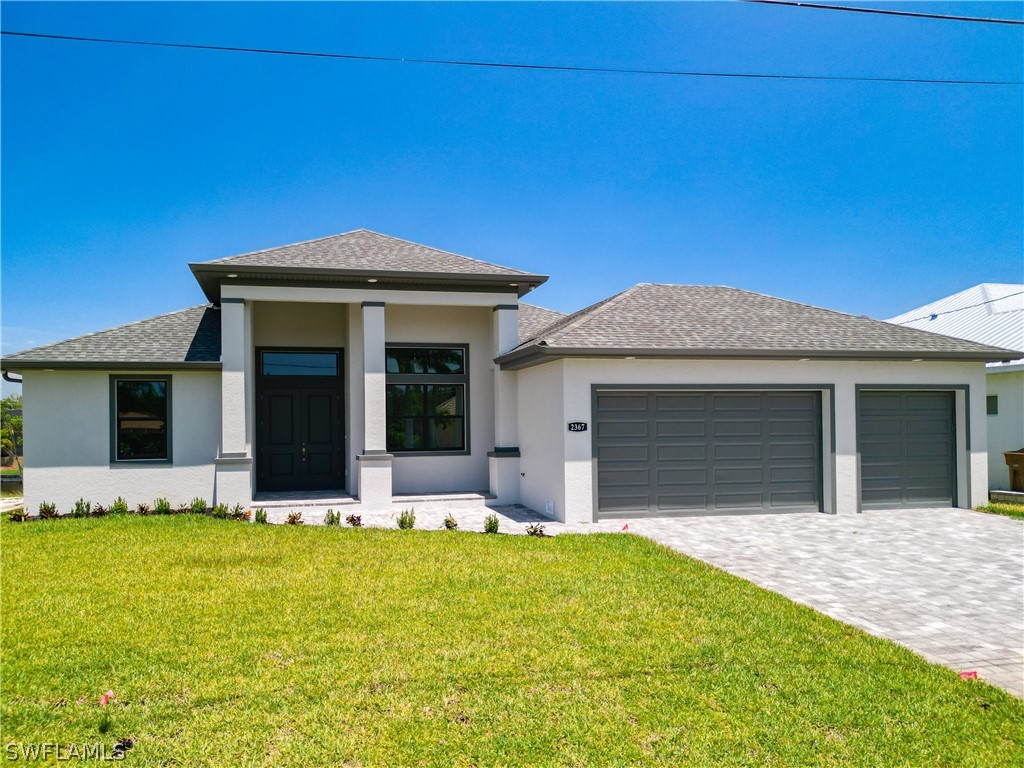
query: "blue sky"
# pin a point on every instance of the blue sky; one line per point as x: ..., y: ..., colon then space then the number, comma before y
x: 122, y: 164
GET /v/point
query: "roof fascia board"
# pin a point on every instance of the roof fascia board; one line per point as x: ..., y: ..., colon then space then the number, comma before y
x: 16, y: 366
x: 209, y: 275
x: 536, y: 355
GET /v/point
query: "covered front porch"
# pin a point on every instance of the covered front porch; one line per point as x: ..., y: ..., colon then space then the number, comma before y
x: 310, y: 374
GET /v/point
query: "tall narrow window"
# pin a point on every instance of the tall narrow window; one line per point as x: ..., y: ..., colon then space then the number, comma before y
x: 141, y: 411
x: 992, y: 405
x: 426, y: 399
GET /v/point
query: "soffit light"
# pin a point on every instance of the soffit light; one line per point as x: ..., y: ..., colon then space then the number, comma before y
x: 372, y: 280
x: 232, y: 275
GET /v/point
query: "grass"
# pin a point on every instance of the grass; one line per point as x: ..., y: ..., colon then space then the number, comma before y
x: 235, y: 644
x: 1009, y: 510
x: 10, y: 471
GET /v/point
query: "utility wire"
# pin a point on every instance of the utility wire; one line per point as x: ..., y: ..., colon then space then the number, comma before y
x: 934, y: 315
x: 500, y: 65
x: 886, y: 12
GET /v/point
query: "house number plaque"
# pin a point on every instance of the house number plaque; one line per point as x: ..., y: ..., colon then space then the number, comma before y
x: 577, y: 426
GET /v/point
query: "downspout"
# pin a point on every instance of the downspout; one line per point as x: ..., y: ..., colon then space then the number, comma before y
x: 7, y: 377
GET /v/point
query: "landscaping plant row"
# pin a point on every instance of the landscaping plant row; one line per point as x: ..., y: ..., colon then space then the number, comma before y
x: 83, y: 508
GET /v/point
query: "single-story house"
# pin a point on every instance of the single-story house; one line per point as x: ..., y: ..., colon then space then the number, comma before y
x: 366, y: 365
x: 990, y: 313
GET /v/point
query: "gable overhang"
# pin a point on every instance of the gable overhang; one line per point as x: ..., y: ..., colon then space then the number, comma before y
x: 539, y: 354
x: 18, y: 366
x: 211, y: 276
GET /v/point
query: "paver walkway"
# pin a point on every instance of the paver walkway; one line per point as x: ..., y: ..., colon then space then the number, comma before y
x: 947, y: 583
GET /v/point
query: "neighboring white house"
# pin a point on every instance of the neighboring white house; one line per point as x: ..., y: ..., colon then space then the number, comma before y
x: 990, y: 313
x: 366, y: 365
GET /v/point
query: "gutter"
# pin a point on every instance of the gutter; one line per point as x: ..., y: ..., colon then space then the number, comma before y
x: 539, y: 354
x: 208, y: 276
x: 17, y: 366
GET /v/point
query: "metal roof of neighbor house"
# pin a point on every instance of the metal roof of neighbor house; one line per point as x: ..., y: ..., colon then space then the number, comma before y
x: 990, y: 313
x: 533, y: 319
x: 357, y: 256
x: 717, y: 321
x: 189, y: 338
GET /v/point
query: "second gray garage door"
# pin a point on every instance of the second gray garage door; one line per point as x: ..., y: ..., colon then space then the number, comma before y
x: 907, y: 445
x: 670, y: 452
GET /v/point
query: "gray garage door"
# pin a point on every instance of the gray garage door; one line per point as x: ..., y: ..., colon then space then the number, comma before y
x: 907, y: 444
x: 670, y: 452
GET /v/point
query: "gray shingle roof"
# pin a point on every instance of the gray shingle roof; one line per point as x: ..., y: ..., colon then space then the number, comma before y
x: 533, y: 319
x: 684, y: 320
x: 364, y: 250
x: 187, y: 338
x: 357, y: 255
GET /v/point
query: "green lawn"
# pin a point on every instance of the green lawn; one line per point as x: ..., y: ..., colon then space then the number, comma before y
x: 235, y: 644
x: 1010, y: 510
x: 10, y: 471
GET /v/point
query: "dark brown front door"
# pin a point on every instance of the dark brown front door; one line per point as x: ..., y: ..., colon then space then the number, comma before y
x: 299, y: 434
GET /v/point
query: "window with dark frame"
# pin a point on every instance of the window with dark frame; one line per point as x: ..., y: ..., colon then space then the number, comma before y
x: 426, y: 399
x: 992, y: 405
x: 141, y: 410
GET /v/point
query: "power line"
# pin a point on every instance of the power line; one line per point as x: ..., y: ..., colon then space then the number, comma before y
x: 886, y: 12
x: 501, y: 65
x: 934, y: 315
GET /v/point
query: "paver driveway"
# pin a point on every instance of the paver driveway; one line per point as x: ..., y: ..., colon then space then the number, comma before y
x: 947, y: 583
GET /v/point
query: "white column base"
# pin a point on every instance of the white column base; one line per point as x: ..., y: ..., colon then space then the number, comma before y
x: 375, y: 479
x: 504, y: 476
x: 233, y: 481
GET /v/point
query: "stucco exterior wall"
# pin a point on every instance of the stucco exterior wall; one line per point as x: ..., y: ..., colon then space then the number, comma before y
x: 296, y: 324
x: 67, y: 431
x: 570, y: 381
x: 1005, y: 429
x: 450, y: 325
x: 541, y: 437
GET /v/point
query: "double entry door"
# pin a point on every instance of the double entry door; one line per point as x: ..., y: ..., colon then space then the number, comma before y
x: 300, y: 420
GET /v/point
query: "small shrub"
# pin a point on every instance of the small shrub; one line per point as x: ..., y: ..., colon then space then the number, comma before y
x: 197, y: 506
x: 119, y: 507
x: 450, y: 524
x: 143, y: 509
x: 294, y: 518
x: 18, y: 515
x: 356, y: 521
x: 332, y: 518
x: 491, y: 523
x: 261, y: 516
x: 220, y: 511
x: 82, y: 509
x: 162, y: 507
x: 183, y: 509
x: 535, y: 529
x: 48, y: 511
x: 100, y: 511
x: 238, y: 512
x: 407, y: 519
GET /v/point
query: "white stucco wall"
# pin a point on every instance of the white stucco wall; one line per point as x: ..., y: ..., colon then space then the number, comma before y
x: 67, y: 435
x: 295, y: 324
x: 542, y: 437
x: 450, y: 325
x: 569, y: 383
x: 1005, y: 429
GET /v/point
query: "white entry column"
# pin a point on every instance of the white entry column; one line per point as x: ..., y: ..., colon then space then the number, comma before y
x: 374, y: 462
x: 504, y: 459
x: 233, y: 483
